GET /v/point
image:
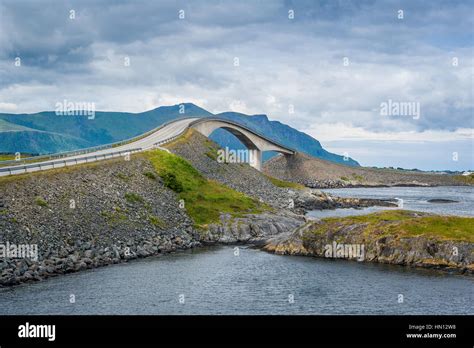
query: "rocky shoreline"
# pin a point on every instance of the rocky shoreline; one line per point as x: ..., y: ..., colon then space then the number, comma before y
x: 86, y: 255
x: 315, y: 238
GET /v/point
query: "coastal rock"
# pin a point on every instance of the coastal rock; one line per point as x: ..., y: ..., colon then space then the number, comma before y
x: 419, y: 251
x: 441, y: 200
x: 252, y: 228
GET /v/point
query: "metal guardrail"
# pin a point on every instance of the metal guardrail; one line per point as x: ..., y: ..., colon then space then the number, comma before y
x: 93, y: 158
x: 64, y: 163
x: 91, y: 149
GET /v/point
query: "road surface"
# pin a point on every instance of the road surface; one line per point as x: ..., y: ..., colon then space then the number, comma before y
x: 161, y: 136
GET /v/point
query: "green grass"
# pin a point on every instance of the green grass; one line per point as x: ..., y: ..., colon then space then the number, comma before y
x: 116, y: 216
x: 212, y: 154
x: 183, y: 139
x: 344, y: 178
x: 171, y: 181
x: 156, y: 221
x: 282, y: 183
x: 133, y: 198
x: 12, y: 156
x: 358, y: 177
x: 150, y: 175
x: 41, y: 202
x: 403, y: 223
x: 204, y: 199
x: 7, y: 157
x: 466, y: 179
x: 122, y: 176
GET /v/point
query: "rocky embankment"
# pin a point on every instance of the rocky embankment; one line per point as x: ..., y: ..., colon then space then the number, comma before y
x: 396, y: 237
x: 104, y: 213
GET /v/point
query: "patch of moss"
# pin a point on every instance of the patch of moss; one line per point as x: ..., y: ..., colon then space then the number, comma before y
x: 122, y: 176
x: 150, y: 175
x: 41, y: 202
x: 133, y: 198
x: 212, y: 154
x: 156, y: 221
x: 358, y: 177
x: 345, y: 178
x: 283, y: 183
x: 115, y: 216
x: 204, y: 199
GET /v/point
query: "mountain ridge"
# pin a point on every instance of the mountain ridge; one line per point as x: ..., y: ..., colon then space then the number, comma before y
x: 70, y: 132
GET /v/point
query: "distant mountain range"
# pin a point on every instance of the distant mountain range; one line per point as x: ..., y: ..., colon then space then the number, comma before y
x: 46, y: 132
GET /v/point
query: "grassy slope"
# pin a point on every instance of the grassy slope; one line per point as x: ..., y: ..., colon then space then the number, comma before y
x: 204, y: 199
x: 283, y: 183
x: 7, y: 157
x: 402, y: 223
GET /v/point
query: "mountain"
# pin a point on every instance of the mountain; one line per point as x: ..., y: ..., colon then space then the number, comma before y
x: 46, y: 132
x: 280, y: 132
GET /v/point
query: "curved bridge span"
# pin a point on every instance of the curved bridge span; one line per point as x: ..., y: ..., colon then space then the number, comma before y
x: 251, y: 139
x: 152, y: 139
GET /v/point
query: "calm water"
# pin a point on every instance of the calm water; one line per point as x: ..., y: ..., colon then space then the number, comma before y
x: 215, y: 281
x: 413, y: 198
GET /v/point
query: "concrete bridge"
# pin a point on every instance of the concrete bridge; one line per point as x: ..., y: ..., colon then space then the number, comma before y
x: 152, y: 139
x: 250, y: 138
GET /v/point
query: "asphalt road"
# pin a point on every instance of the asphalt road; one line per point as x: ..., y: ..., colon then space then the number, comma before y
x: 168, y: 132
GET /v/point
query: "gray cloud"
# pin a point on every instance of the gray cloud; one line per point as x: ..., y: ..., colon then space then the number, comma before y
x: 282, y: 61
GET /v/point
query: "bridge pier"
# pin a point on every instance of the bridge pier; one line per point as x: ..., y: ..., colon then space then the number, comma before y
x: 256, y: 159
x: 255, y: 143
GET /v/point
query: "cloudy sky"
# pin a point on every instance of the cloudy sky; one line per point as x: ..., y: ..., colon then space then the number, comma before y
x: 323, y: 67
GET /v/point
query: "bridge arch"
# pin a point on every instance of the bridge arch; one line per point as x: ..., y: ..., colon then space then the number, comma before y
x: 251, y: 139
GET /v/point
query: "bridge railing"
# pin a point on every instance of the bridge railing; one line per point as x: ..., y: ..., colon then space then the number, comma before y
x: 89, y: 149
x: 244, y: 127
x: 64, y: 162
x: 37, y: 162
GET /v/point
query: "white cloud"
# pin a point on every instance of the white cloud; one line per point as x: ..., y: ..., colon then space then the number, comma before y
x: 341, y: 131
x: 8, y: 107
